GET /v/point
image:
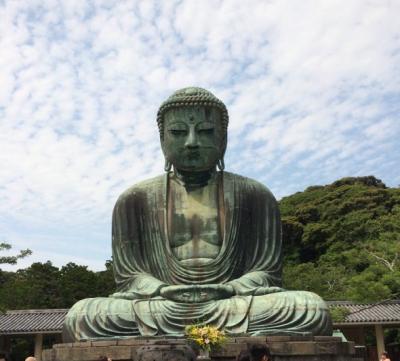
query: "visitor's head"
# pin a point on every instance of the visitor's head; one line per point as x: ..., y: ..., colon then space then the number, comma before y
x: 104, y: 358
x: 244, y: 356
x: 193, y: 130
x: 259, y: 352
x: 30, y: 358
x: 384, y: 354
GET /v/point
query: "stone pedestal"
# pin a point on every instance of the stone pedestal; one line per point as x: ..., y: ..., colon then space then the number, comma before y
x: 283, y: 348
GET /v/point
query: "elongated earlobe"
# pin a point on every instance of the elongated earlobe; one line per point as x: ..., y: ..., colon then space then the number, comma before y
x: 167, y: 165
x: 221, y: 164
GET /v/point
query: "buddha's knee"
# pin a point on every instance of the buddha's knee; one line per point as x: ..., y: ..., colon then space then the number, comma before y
x: 99, y: 317
x: 307, y: 298
x: 78, y: 307
x: 290, y: 312
x: 74, y: 318
x: 295, y: 301
x: 84, y: 307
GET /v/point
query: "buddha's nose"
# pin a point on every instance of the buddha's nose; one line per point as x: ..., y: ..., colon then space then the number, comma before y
x: 192, y: 140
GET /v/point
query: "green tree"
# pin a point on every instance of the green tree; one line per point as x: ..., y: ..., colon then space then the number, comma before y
x: 105, y: 280
x: 76, y: 283
x: 343, y: 240
x: 4, y: 246
x: 5, y: 277
x: 34, y: 287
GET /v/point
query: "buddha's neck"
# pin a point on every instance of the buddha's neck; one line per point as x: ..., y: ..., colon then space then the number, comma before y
x: 194, y: 180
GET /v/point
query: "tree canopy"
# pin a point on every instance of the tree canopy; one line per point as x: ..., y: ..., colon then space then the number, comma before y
x: 342, y: 240
x: 43, y: 285
x: 4, y: 246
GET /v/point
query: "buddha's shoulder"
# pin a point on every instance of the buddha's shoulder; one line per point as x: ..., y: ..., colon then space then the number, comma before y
x: 249, y: 184
x: 143, y: 187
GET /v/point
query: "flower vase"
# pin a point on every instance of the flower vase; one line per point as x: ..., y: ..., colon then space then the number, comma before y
x: 204, y: 355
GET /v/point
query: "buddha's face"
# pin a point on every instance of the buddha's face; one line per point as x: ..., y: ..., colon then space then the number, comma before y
x: 193, y: 138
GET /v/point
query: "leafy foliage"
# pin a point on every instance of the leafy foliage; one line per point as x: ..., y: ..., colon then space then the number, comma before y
x: 12, y: 259
x: 5, y: 276
x: 43, y: 285
x: 339, y: 314
x: 342, y: 240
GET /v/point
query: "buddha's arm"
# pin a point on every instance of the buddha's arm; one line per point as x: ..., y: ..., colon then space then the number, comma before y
x: 261, y: 245
x: 131, y: 267
x: 197, y: 293
x: 253, y: 283
x: 141, y: 286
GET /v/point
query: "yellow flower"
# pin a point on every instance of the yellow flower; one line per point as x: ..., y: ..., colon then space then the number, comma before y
x: 205, y: 336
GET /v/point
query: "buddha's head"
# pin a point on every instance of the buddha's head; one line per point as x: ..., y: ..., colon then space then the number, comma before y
x: 193, y: 130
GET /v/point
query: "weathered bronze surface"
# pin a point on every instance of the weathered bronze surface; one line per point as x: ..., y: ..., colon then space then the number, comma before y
x: 197, y: 244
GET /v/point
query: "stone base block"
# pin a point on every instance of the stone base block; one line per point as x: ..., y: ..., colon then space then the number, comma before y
x: 283, y: 348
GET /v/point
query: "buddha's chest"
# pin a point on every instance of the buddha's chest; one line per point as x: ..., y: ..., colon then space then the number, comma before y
x: 193, y: 222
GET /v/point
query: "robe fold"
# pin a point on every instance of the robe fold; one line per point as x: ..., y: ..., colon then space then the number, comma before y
x: 249, y: 259
x: 250, y: 256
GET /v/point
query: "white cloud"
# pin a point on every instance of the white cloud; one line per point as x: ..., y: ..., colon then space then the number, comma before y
x: 312, y: 89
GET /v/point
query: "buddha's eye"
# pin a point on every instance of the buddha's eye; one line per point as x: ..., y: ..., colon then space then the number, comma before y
x: 177, y: 132
x: 206, y: 131
x: 205, y: 128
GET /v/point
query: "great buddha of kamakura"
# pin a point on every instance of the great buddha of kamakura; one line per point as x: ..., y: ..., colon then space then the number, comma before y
x: 197, y: 245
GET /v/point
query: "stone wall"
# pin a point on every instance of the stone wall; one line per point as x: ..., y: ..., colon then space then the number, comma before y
x: 283, y: 348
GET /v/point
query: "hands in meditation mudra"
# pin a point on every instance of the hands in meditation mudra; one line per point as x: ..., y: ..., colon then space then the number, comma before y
x: 197, y: 244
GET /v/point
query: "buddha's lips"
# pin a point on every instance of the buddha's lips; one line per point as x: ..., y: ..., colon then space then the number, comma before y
x: 192, y: 155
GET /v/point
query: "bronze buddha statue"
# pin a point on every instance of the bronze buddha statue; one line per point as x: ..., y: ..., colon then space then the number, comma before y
x: 197, y: 244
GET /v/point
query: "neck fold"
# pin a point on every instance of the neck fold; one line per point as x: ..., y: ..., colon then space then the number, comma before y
x: 194, y: 180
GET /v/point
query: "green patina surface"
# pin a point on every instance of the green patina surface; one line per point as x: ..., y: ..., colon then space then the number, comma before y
x: 197, y: 244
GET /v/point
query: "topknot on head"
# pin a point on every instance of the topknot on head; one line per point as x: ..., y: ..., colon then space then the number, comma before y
x: 191, y: 96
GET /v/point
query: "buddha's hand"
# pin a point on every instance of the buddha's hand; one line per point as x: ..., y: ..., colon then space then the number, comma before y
x: 131, y: 295
x: 267, y: 290
x: 124, y: 295
x: 197, y: 293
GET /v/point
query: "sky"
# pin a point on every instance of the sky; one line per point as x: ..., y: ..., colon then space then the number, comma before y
x: 312, y: 89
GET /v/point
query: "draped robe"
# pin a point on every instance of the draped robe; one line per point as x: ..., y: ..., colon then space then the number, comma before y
x: 250, y: 260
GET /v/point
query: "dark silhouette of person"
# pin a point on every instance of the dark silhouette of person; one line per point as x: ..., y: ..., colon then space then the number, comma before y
x: 256, y: 352
x: 259, y: 352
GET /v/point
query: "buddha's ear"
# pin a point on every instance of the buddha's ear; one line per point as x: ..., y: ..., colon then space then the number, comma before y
x: 162, y: 145
x: 167, y: 164
x: 224, y: 142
